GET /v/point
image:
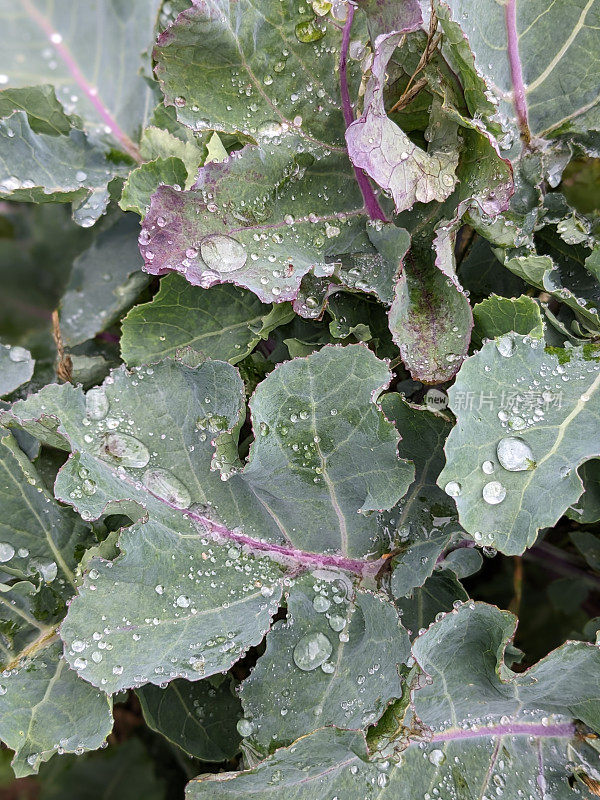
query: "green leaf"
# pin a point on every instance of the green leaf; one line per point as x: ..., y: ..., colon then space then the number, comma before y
x: 420, y: 526
x: 464, y: 561
x: 45, y: 707
x: 486, y: 727
x: 105, y: 280
x: 544, y: 90
x: 430, y: 317
x: 198, y: 717
x: 34, y: 235
x: 95, y: 56
x: 496, y: 316
x: 587, y: 508
x: 335, y: 660
x: 261, y: 220
x: 325, y: 450
x: 36, y: 534
x: 16, y: 368
x: 44, y: 112
x: 145, y: 180
x: 525, y: 423
x: 46, y: 168
x: 437, y: 595
x: 239, y: 68
x: 381, y: 148
x: 220, y: 323
x: 472, y: 659
x: 482, y: 273
x: 190, y: 148
x: 305, y: 499
x: 589, y: 547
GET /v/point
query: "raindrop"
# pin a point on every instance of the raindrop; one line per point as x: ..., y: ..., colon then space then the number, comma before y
x: 126, y: 450
x: 437, y: 757
x: 321, y: 604
x: 487, y: 467
x: 222, y: 253
x: 505, y: 345
x: 308, y: 31
x: 494, y: 493
x: 312, y: 651
x: 164, y: 484
x: 18, y: 354
x: 96, y: 404
x: 7, y: 551
x: 336, y: 623
x: 245, y: 727
x: 514, y: 454
x: 453, y: 489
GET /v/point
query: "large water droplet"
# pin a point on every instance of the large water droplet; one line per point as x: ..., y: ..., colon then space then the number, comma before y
x: 311, y: 651
x: 514, y: 454
x: 452, y: 489
x: 164, y: 484
x: 7, y: 551
x: 18, y: 354
x: 126, y: 450
x: 494, y: 493
x: 222, y: 253
x: 245, y: 727
x: 437, y: 757
x: 309, y: 31
x: 96, y: 404
x: 505, y: 345
x: 321, y: 604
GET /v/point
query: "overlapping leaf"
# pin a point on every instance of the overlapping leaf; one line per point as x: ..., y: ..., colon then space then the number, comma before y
x: 46, y: 41
x: 301, y: 490
x: 421, y: 525
x: 513, y: 730
x: 44, y: 707
x: 199, y: 717
x: 537, y: 59
x: 220, y: 322
x: 271, y: 213
x: 335, y: 660
x: 104, y: 281
x: 16, y: 368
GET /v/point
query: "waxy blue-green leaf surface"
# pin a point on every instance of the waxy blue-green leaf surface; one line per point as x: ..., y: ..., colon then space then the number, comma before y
x: 526, y: 419
x: 514, y: 730
x: 16, y: 368
x: 335, y: 660
x: 537, y: 58
x: 46, y: 708
x: 299, y: 490
x: 93, y: 54
x: 43, y: 168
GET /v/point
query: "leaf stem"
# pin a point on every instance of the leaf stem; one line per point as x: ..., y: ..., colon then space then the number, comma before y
x: 516, y: 69
x: 566, y: 730
x: 284, y: 553
x: 372, y: 206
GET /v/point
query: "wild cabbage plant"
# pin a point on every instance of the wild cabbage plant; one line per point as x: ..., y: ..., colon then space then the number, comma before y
x: 300, y: 377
